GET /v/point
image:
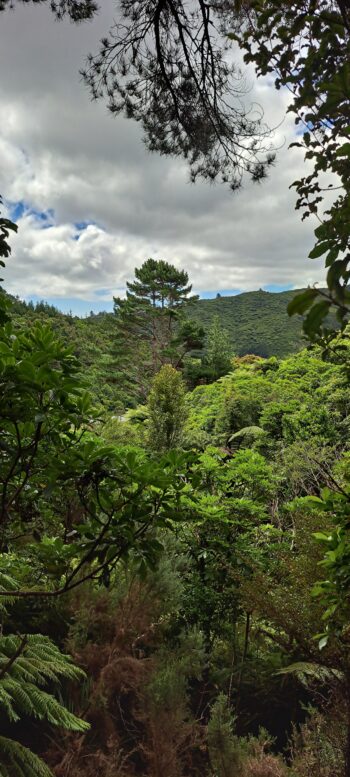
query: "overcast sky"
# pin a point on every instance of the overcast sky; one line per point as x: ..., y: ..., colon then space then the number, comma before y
x: 92, y: 204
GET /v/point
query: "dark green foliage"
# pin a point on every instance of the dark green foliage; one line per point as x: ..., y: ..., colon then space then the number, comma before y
x: 6, y: 226
x: 90, y: 340
x: 71, y: 510
x: 257, y: 322
x: 218, y: 353
x: 251, y: 624
x: 185, y: 96
x: 317, y: 73
x: 223, y: 745
x: 151, y: 329
x: 76, y: 10
x: 242, y: 608
x: 166, y: 410
x: 160, y: 284
x: 28, y: 664
x: 188, y: 98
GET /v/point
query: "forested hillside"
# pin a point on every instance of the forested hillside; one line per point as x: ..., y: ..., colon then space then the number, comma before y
x: 256, y: 323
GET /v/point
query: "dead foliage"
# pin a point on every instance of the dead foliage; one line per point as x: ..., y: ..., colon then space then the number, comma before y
x: 132, y: 732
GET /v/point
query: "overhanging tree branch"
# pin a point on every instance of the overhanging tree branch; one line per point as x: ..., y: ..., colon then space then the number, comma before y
x: 165, y: 64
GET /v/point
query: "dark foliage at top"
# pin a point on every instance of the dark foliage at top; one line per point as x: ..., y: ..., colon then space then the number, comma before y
x: 165, y: 64
x: 76, y: 10
x: 306, y: 46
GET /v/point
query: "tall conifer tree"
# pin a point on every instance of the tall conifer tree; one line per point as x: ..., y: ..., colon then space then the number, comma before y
x: 151, y: 327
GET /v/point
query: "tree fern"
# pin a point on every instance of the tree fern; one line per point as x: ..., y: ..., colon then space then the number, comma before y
x: 39, y: 662
x: 19, y: 761
x: 27, y: 699
x: 245, y: 437
x: 27, y: 664
x: 7, y: 584
x: 308, y: 672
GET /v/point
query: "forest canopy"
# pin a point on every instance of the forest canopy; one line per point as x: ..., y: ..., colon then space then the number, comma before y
x: 180, y: 547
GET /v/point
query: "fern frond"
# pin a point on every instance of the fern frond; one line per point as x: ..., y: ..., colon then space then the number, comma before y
x: 30, y: 700
x: 17, y: 761
x: 248, y: 431
x: 28, y: 662
x: 41, y: 661
x: 28, y: 671
x: 6, y: 703
x: 21, y: 697
x: 56, y: 713
x: 307, y: 671
x: 9, y: 645
x: 48, y: 654
x: 8, y: 583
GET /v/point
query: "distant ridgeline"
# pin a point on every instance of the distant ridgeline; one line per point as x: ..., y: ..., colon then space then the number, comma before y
x: 257, y: 323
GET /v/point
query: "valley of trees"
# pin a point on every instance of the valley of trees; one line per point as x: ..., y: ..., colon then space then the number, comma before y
x: 175, y: 550
x: 255, y: 322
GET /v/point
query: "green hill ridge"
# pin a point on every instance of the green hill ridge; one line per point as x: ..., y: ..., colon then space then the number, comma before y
x: 257, y: 323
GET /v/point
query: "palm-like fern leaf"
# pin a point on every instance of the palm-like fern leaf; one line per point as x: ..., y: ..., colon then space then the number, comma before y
x: 307, y: 671
x: 27, y: 699
x: 18, y: 761
x: 247, y: 435
x: 7, y: 584
x: 39, y: 661
x: 27, y: 663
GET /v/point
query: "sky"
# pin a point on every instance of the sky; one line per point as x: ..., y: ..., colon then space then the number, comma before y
x: 92, y: 203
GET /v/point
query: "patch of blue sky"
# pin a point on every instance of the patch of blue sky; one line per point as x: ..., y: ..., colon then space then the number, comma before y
x: 80, y: 226
x: 20, y: 209
x: 308, y: 126
x: 303, y: 127
x: 222, y: 292
x: 76, y: 306
x: 45, y: 218
x: 17, y: 210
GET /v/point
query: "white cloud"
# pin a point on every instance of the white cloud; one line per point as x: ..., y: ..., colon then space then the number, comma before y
x: 59, y: 151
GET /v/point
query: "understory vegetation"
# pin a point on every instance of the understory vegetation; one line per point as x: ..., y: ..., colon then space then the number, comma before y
x: 177, y: 553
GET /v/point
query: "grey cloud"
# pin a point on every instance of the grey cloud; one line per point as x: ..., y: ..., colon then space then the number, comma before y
x: 60, y: 151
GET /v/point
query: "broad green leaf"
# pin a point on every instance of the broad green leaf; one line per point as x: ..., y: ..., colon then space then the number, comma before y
x: 320, y: 249
x: 302, y: 302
